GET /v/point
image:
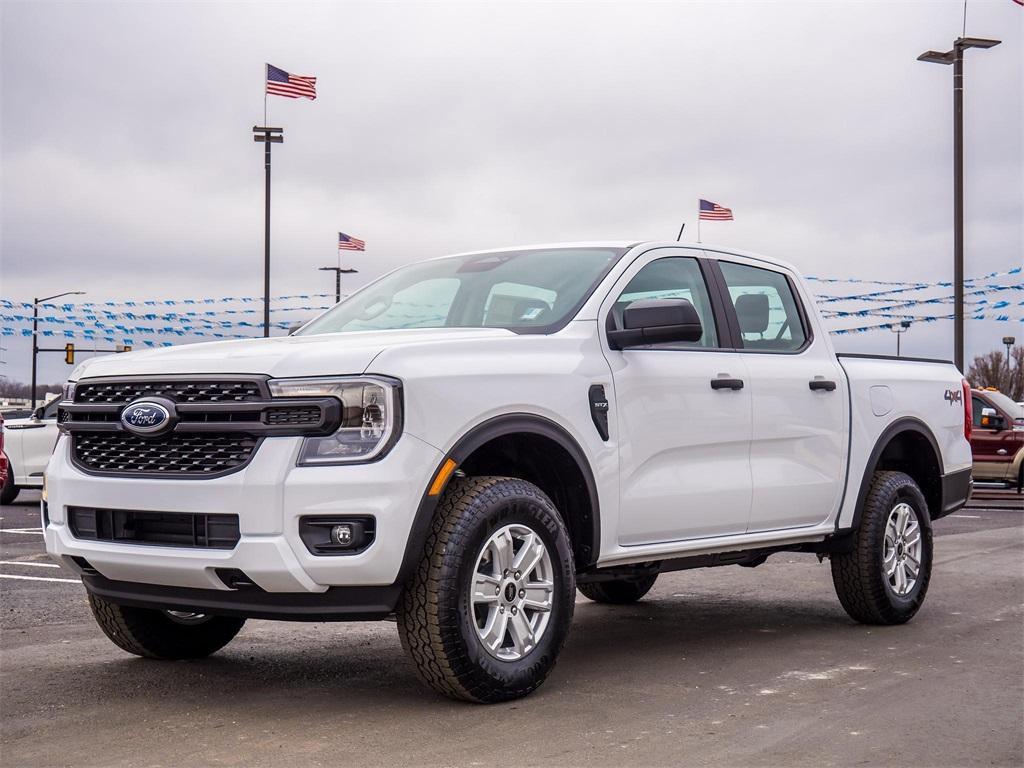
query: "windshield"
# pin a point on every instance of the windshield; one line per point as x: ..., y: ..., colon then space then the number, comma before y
x: 536, y: 291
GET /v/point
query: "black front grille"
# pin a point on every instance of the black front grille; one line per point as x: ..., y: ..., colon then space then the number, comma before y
x: 179, y: 391
x: 171, y: 529
x: 295, y: 416
x: 182, y: 454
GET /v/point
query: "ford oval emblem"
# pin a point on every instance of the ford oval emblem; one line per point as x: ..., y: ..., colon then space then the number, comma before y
x: 145, y: 417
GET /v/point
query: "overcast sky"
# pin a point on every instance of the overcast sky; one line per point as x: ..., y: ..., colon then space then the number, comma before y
x: 129, y: 170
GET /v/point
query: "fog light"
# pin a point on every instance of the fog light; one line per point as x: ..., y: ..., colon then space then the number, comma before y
x: 341, y: 535
x: 333, y: 535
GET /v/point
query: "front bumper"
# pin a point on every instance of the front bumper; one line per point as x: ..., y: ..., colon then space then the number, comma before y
x: 269, y: 495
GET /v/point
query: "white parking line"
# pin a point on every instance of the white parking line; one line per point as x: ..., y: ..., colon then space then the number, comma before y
x: 38, y: 578
x: 26, y: 562
x: 969, y: 517
x: 27, y: 531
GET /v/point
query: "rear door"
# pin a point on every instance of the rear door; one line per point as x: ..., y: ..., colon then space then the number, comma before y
x: 798, y: 447
x: 683, y: 443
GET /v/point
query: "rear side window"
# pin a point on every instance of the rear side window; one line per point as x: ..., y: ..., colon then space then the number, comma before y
x: 767, y: 310
x: 675, y: 277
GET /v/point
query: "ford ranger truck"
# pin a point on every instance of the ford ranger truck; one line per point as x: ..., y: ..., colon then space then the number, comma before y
x: 469, y: 440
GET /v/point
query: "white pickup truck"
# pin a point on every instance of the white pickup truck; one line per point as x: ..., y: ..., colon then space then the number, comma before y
x: 28, y: 447
x: 465, y: 442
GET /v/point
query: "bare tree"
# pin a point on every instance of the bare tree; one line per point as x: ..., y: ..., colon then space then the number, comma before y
x: 19, y: 389
x: 990, y: 370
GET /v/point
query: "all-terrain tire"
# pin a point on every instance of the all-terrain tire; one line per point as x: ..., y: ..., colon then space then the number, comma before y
x: 436, y: 619
x: 155, y: 634
x: 859, y: 574
x: 1020, y: 479
x: 618, y: 592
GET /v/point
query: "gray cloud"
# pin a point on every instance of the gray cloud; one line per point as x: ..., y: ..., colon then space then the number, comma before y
x: 126, y: 143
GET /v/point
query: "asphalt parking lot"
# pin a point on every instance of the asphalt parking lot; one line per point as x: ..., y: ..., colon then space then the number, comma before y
x: 730, y: 666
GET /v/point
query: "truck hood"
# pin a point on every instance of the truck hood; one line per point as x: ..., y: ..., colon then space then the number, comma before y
x: 328, y: 354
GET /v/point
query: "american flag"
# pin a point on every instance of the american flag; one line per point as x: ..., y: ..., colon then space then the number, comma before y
x: 349, y: 243
x: 280, y: 83
x: 714, y: 212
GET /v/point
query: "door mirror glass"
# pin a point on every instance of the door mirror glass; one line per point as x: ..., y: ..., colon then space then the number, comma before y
x: 657, y: 321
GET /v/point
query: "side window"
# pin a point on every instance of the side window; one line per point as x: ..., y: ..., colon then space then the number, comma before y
x: 675, y: 277
x: 976, y: 405
x: 766, y: 308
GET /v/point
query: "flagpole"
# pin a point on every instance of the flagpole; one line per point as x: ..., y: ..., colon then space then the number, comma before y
x: 266, y: 74
x: 698, y: 221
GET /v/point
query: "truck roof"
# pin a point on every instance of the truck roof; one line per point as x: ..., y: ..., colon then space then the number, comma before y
x: 711, y: 249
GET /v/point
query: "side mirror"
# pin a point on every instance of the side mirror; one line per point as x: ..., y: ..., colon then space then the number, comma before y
x: 656, y: 321
x: 37, y: 414
x: 991, y: 419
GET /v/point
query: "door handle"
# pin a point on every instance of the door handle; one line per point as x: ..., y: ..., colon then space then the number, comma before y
x: 727, y: 383
x: 822, y: 384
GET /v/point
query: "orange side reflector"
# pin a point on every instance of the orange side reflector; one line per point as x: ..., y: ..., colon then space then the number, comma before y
x: 442, y: 477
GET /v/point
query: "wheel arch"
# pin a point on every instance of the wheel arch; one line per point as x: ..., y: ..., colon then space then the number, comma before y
x: 907, y: 445
x: 533, y: 448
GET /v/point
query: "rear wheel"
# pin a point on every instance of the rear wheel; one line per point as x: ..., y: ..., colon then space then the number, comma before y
x: 156, y: 634
x: 883, y: 579
x: 618, y: 592
x: 488, y: 610
x: 10, y: 490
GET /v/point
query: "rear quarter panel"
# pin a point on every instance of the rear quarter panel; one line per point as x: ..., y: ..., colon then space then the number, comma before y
x: 884, y: 391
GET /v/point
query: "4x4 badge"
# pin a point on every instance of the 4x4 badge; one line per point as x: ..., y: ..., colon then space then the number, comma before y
x: 954, y: 396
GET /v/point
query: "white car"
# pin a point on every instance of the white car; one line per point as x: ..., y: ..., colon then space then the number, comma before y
x: 467, y: 441
x: 28, y: 445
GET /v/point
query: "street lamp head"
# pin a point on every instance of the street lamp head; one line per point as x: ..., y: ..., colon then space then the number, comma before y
x: 1009, y: 340
x: 935, y: 57
x: 905, y: 323
x: 976, y: 42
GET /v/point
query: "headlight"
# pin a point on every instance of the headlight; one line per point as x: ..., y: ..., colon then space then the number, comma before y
x: 369, y: 415
x: 67, y: 392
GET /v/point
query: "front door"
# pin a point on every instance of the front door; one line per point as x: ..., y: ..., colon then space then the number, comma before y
x: 684, y: 442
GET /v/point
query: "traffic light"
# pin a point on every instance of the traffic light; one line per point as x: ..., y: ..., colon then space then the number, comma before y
x: 69, y: 354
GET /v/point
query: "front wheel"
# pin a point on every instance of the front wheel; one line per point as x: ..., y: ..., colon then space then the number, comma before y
x: 488, y: 610
x: 156, y: 634
x: 884, y: 577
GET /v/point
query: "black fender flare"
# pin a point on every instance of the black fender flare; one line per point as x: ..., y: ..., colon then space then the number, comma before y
x: 507, y: 424
x: 906, y: 424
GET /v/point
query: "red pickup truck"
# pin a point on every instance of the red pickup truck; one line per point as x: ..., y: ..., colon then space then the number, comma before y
x: 997, y: 438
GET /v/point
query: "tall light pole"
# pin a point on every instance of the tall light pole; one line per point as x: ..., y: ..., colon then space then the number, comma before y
x: 35, y: 334
x: 338, y: 272
x: 956, y: 58
x: 1009, y: 342
x: 267, y: 136
x: 899, y: 329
